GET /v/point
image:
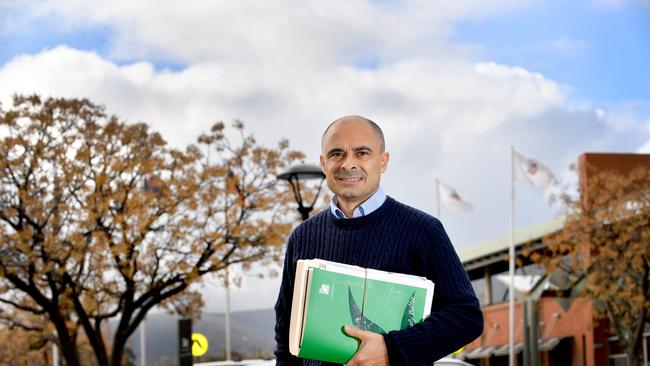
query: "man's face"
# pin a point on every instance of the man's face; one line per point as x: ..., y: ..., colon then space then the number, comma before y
x: 352, y: 160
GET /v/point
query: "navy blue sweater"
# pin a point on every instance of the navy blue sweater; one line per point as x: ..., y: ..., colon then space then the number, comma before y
x: 395, y: 238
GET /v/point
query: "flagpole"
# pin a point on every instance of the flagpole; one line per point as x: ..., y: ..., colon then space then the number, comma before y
x: 437, y: 198
x: 511, y: 258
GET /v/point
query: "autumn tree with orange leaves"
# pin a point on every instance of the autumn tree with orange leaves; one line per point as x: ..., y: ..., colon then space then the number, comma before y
x: 604, y: 247
x: 101, y: 219
x: 21, y: 347
x: 34, y: 347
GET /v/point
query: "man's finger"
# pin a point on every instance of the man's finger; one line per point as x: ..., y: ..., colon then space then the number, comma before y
x: 372, y: 349
x: 354, y: 332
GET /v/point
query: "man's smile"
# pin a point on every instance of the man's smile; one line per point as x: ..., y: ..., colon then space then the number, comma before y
x: 350, y: 180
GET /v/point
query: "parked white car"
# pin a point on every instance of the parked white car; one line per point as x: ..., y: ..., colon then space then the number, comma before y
x: 448, y: 361
x: 442, y: 362
x: 238, y: 363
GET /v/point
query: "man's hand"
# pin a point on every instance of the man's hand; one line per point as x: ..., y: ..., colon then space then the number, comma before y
x: 372, y: 349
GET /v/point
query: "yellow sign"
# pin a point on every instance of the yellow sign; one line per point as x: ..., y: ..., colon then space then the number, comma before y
x: 199, y: 344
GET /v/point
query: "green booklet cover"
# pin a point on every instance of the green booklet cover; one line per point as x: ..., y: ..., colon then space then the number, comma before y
x: 336, y: 295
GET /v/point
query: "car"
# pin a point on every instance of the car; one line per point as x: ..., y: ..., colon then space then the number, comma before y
x: 448, y: 361
x: 238, y: 363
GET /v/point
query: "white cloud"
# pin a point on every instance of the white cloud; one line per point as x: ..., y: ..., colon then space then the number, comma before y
x: 291, y: 33
x: 413, y: 96
x: 13, y: 16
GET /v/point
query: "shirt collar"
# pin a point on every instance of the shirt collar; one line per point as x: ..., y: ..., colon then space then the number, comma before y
x: 365, y: 208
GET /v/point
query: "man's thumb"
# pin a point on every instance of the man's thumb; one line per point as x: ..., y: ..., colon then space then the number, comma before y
x: 353, y: 332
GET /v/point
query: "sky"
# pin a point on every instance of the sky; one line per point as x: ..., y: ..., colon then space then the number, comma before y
x: 454, y: 84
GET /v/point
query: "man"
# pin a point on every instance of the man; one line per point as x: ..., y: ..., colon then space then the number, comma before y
x: 364, y: 227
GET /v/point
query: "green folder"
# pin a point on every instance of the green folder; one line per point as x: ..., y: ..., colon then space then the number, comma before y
x: 334, y: 295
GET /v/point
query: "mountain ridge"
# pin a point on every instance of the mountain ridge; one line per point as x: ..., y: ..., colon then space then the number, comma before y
x: 251, y: 336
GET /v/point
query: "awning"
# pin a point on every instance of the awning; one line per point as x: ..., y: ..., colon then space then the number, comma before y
x: 480, y: 352
x: 548, y: 344
x: 504, y: 350
x: 544, y: 345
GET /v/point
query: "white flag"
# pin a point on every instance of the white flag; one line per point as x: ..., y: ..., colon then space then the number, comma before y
x: 533, y: 171
x: 451, y: 199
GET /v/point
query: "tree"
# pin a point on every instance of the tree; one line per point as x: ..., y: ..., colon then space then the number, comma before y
x: 101, y: 219
x: 20, y: 347
x: 605, y: 243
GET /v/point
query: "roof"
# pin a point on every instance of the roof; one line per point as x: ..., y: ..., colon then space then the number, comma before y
x: 500, y: 245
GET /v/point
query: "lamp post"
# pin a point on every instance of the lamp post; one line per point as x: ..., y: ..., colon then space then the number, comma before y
x: 298, y: 174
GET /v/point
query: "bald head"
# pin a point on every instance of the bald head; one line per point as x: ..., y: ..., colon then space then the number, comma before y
x: 378, y: 132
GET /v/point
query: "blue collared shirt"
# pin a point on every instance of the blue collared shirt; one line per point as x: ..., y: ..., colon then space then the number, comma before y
x: 372, y: 203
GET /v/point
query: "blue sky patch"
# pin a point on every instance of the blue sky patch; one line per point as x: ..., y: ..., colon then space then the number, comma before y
x: 368, y: 62
x: 45, y: 34
x: 601, y: 53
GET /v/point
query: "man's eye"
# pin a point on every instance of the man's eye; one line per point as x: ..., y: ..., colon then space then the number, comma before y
x: 363, y: 153
x: 336, y: 155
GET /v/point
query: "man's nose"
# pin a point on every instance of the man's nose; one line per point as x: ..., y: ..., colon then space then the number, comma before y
x: 349, y: 162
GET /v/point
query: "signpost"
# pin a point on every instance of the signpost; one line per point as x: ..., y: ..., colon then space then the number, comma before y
x: 185, y: 342
x: 199, y: 344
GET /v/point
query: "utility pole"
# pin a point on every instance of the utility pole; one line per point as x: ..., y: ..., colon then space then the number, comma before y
x: 55, y: 355
x: 227, y: 283
x: 143, y: 342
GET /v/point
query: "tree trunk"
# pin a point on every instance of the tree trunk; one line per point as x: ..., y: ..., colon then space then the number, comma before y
x: 633, y: 349
x: 634, y: 354
x: 98, y: 347
x: 67, y: 344
x: 120, y: 338
x: 118, y: 353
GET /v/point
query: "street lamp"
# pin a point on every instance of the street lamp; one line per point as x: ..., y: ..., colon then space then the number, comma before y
x: 301, y: 173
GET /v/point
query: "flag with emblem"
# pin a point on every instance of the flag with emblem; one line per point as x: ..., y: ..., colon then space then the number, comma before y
x: 451, y: 199
x: 532, y: 171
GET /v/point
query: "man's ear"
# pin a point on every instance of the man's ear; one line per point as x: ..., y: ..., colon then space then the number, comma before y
x: 322, y: 162
x: 383, y: 160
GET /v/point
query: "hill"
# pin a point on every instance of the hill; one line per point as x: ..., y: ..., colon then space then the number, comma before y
x: 251, y: 335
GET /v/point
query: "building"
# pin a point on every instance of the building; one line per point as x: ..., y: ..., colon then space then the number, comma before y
x: 562, y: 322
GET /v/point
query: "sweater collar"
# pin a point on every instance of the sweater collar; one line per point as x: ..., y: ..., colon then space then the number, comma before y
x: 358, y: 222
x: 365, y: 208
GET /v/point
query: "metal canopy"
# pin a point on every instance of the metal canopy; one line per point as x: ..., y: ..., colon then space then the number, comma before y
x: 548, y: 344
x: 480, y: 352
x: 545, y: 345
x: 504, y: 349
x: 302, y: 172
